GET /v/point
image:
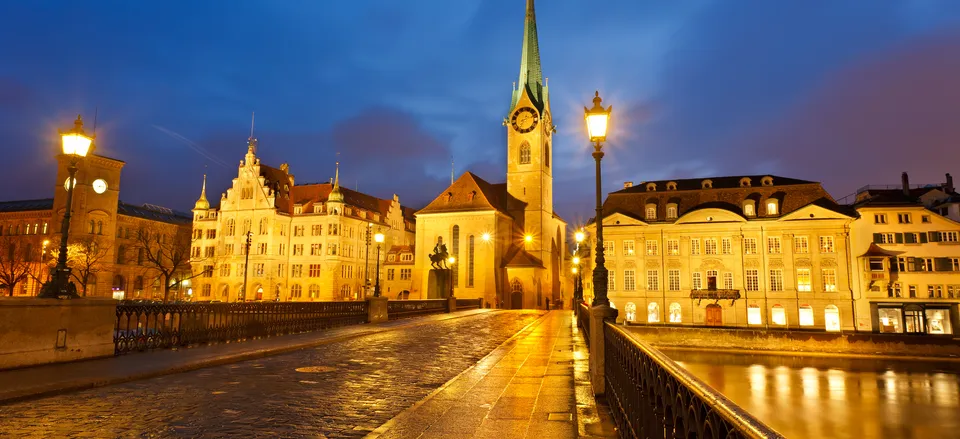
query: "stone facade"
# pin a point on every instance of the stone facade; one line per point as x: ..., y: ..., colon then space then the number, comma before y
x: 396, y: 277
x: 507, y: 241
x: 757, y: 251
x: 308, y: 242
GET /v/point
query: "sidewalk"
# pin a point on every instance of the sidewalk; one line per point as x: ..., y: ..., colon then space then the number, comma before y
x: 39, y: 381
x: 530, y: 387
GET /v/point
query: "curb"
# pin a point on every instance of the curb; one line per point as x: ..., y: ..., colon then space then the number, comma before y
x: 60, y: 388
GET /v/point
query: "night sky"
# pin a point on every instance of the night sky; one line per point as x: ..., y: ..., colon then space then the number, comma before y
x: 844, y: 92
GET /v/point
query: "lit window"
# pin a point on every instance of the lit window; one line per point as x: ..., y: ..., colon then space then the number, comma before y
x: 673, y: 247
x: 806, y: 315
x: 630, y: 312
x: 773, y: 245
x: 750, y: 246
x: 778, y: 315
x: 803, y: 279
x: 801, y: 245
x: 628, y: 248
x: 826, y: 244
x: 653, y: 313
x: 754, y: 316
x: 608, y: 248
x: 671, y: 212
x: 831, y: 318
x: 890, y: 320
x: 652, y: 248
x: 675, y: 313
x: 748, y: 209
x: 771, y: 207
x: 651, y: 212
x: 938, y: 321
x: 829, y: 279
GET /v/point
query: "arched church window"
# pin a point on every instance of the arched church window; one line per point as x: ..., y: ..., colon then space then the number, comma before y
x: 470, y: 242
x: 546, y: 155
x: 516, y: 286
x: 455, y: 252
x: 525, y: 153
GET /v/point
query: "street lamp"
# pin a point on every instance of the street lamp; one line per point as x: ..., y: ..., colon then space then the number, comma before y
x: 379, y: 239
x: 246, y: 266
x: 451, y: 261
x: 579, y: 236
x: 366, y: 265
x: 76, y: 144
x: 597, y: 119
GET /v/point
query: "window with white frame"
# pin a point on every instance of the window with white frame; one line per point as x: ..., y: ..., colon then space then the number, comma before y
x: 806, y: 315
x: 712, y: 279
x: 750, y: 246
x: 653, y: 312
x: 879, y: 218
x: 726, y: 246
x: 904, y: 218
x: 673, y: 247
x: 652, y: 248
x: 671, y: 211
x: 778, y: 315
x: 773, y: 245
x: 826, y: 244
x: 949, y: 236
x: 653, y: 280
x: 749, y: 209
x: 754, y: 316
x: 728, y: 280
x: 697, y: 283
x: 885, y: 238
x: 628, y: 247
x: 829, y: 279
x: 611, y: 281
x: 801, y: 245
x: 752, y: 281
x: 776, y: 279
x: 608, y: 248
x: 673, y: 280
x: 831, y: 318
x: 675, y: 313
x: 772, y: 207
x: 803, y: 279
x: 954, y: 264
x: 630, y: 312
x: 710, y: 246
x: 651, y: 212
x: 629, y: 280
x: 694, y: 246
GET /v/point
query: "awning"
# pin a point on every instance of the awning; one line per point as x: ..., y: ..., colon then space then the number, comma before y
x: 875, y: 251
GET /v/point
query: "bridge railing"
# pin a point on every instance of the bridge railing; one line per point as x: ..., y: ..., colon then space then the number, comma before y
x: 401, y: 309
x: 583, y: 321
x: 142, y: 327
x: 650, y: 395
x: 463, y: 304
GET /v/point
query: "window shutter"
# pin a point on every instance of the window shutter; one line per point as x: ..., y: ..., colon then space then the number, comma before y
x: 934, y: 236
x: 899, y: 238
x: 923, y: 238
x: 893, y: 264
x: 876, y: 238
x: 909, y: 238
x: 914, y: 263
x: 942, y: 264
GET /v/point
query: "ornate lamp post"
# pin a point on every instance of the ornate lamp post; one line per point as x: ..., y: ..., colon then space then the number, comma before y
x: 379, y: 239
x: 76, y: 145
x: 246, y: 266
x: 366, y: 266
x: 597, y: 119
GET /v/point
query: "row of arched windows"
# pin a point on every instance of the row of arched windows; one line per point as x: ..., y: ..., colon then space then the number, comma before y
x: 778, y: 315
x: 25, y: 229
x: 469, y: 262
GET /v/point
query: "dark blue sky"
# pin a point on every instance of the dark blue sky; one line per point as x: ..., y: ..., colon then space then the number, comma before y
x: 844, y: 92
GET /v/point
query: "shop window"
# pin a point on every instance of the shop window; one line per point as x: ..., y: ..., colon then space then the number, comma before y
x: 675, y: 313
x: 831, y: 318
x: 806, y: 315
x: 630, y: 312
x: 890, y: 320
x: 754, y: 316
x: 653, y: 313
x: 778, y: 315
x: 938, y: 321
x: 913, y: 319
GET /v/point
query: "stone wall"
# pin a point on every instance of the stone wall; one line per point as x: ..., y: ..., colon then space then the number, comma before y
x: 39, y: 331
x: 798, y: 341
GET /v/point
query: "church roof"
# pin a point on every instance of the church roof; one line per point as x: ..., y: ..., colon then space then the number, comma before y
x: 517, y: 257
x: 469, y: 193
x: 531, y: 73
x: 26, y: 205
x: 154, y: 213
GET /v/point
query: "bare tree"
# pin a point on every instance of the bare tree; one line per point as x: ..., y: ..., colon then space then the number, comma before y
x: 16, y: 261
x: 166, y: 251
x: 86, y: 257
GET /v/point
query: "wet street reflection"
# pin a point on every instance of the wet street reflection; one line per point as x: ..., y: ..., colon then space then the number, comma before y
x: 814, y: 397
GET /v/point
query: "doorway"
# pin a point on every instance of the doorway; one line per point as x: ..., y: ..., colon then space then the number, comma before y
x: 516, y: 294
x: 714, y: 315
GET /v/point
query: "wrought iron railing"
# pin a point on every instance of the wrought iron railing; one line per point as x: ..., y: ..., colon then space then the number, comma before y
x: 469, y: 304
x: 651, y: 396
x: 142, y: 327
x: 583, y: 321
x: 401, y: 309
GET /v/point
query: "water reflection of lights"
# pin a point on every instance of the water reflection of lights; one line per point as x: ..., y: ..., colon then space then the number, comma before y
x: 810, y: 378
x: 946, y: 390
x: 836, y: 384
x: 890, y: 385
x: 781, y: 376
x: 757, y: 375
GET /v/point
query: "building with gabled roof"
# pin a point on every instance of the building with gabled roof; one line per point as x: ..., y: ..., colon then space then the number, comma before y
x: 307, y: 242
x: 751, y: 251
x: 506, y: 238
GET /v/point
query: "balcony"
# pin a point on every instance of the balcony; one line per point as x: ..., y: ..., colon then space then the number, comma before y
x: 715, y: 295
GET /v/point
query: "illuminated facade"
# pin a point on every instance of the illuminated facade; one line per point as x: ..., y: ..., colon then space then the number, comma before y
x: 396, y: 275
x: 507, y: 240
x: 307, y: 242
x: 755, y: 251
x: 908, y: 259
x: 98, y: 217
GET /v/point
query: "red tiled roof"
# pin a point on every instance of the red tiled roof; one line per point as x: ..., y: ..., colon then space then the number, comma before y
x: 469, y: 193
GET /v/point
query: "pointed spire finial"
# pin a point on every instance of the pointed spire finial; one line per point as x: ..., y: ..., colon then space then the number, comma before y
x: 336, y: 178
x: 251, y: 141
x: 202, y: 203
x: 531, y: 73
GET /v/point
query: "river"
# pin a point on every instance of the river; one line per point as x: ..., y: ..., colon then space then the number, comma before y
x: 820, y: 397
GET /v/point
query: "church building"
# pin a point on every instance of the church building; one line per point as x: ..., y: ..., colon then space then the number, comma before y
x: 505, y: 239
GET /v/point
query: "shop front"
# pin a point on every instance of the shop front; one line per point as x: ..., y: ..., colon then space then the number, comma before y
x: 916, y: 318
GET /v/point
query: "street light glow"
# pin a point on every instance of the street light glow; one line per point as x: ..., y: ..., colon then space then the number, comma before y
x: 528, y: 238
x: 378, y: 238
x: 451, y: 259
x: 485, y: 237
x: 597, y: 119
x: 579, y: 236
x: 576, y: 260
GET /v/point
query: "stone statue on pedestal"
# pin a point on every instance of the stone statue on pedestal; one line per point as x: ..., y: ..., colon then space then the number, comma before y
x: 438, y: 259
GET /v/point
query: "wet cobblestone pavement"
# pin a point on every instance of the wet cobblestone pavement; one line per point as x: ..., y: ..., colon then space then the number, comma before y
x: 343, y: 389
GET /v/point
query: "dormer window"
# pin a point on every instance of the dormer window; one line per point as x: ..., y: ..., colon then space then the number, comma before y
x: 671, y: 186
x: 706, y: 184
x: 449, y: 197
x: 766, y: 181
x: 317, y: 208
x: 471, y: 195
x: 749, y: 209
x: 772, y: 207
x: 745, y: 182
x: 671, y: 211
x: 651, y: 212
x: 297, y: 209
x: 651, y: 187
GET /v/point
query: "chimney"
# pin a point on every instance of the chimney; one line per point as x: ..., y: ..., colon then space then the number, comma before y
x: 906, y: 184
x: 948, y: 188
x: 627, y: 184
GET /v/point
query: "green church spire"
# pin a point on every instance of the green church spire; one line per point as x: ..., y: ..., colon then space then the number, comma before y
x: 531, y: 75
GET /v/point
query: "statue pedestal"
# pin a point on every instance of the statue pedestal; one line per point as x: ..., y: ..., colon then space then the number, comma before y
x: 439, y: 283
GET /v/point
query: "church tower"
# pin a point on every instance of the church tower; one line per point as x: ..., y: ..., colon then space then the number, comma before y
x: 529, y: 154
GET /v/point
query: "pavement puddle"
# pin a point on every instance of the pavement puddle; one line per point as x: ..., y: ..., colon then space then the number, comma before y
x: 315, y: 369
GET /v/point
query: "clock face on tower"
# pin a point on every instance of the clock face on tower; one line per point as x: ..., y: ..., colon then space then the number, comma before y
x: 524, y: 119
x: 99, y: 186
